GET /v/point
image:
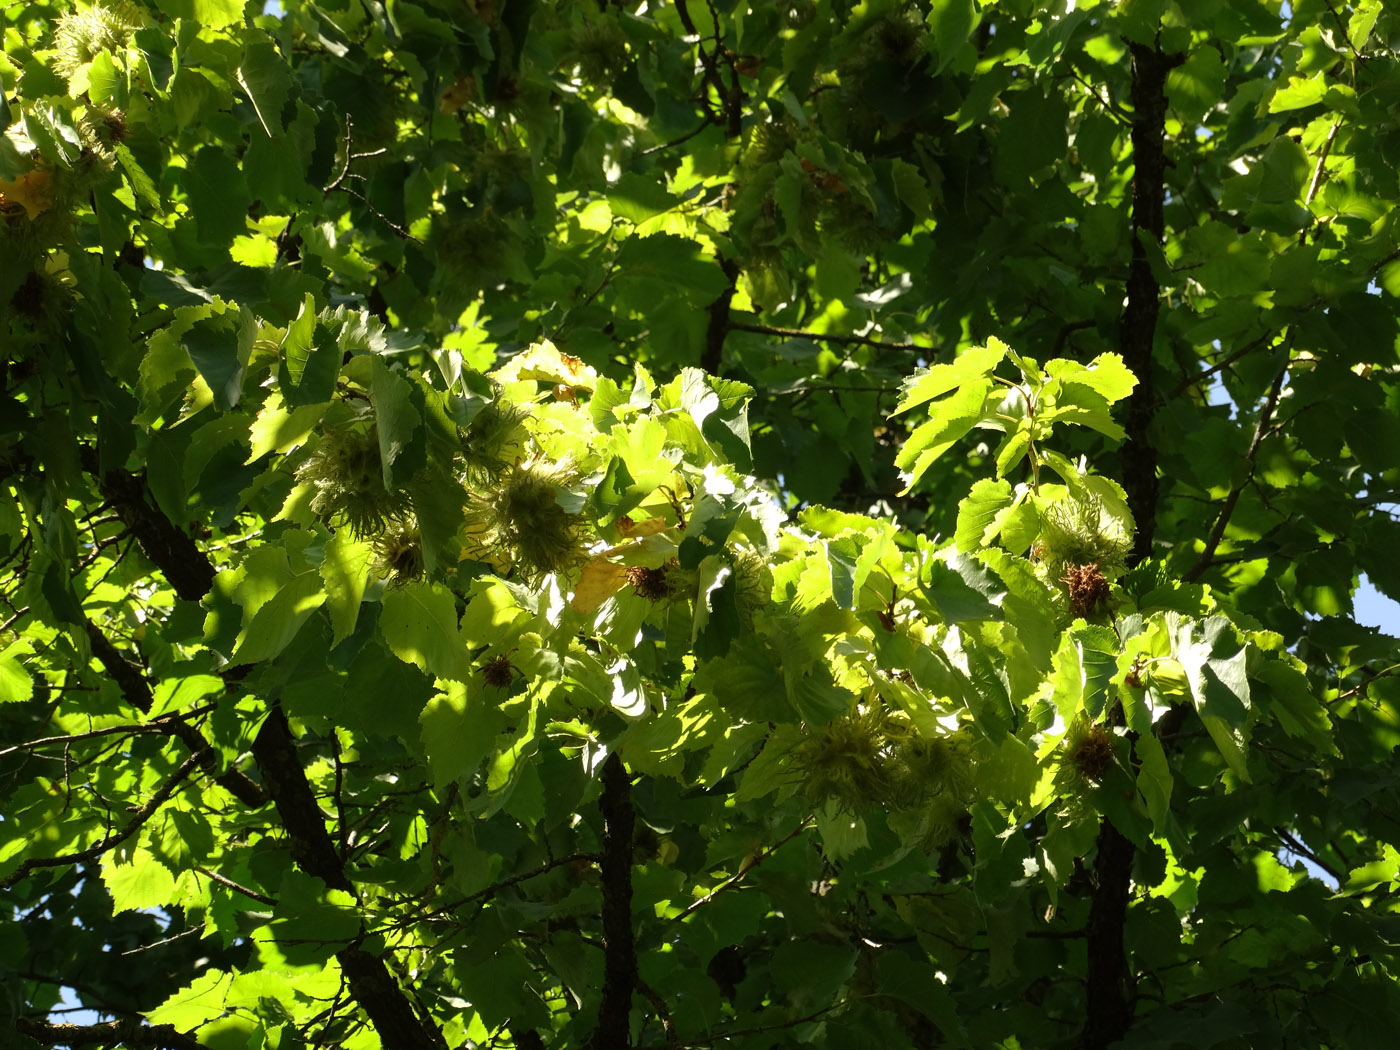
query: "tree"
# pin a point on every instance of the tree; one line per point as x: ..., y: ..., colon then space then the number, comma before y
x: 698, y: 524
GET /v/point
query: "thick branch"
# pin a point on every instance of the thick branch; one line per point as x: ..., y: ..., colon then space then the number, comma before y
x: 1138, y: 326
x: 191, y: 574
x: 184, y: 565
x: 717, y: 326
x: 371, y: 984
x: 620, y: 959
x: 286, y: 782
x: 1109, y: 982
x: 1108, y: 978
x: 130, y: 1032
x: 137, y: 692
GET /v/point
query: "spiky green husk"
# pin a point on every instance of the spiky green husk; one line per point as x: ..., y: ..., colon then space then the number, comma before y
x: 1089, y: 751
x: 925, y: 769
x: 843, y: 761
x: 521, y: 524
x: 347, y: 473
x: 1082, y: 532
x: 398, y: 554
x: 753, y: 583
x: 84, y: 34
x: 494, y: 440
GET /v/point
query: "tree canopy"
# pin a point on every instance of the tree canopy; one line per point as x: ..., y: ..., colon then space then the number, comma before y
x: 698, y: 524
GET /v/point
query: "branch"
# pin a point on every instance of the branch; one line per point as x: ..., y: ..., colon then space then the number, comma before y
x: 130, y: 1032
x: 371, y: 985
x: 137, y: 692
x: 225, y: 881
x: 1108, y: 978
x: 744, y: 869
x: 128, y: 829
x: 709, y: 121
x: 1217, y: 531
x: 824, y: 337
x: 1222, y: 364
x: 185, y: 566
x: 620, y: 952
x: 191, y: 574
x: 718, y: 324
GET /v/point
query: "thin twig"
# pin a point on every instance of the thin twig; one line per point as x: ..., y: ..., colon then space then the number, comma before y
x: 224, y: 880
x: 709, y: 121
x: 823, y: 337
x: 1217, y: 531
x: 132, y: 826
x: 738, y: 876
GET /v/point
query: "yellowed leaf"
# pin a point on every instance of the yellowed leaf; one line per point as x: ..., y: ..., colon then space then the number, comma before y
x: 31, y: 191
x: 598, y: 582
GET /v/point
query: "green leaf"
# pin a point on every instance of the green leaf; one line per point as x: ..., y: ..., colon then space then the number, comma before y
x: 977, y: 512
x: 57, y: 140
x: 213, y: 347
x: 310, y: 915
x: 459, y: 728
x: 141, y: 183
x: 1154, y: 781
x: 937, y: 380
x: 277, y: 621
x: 401, y: 435
x: 310, y: 360
x: 419, y: 623
x: 949, y: 420
x: 345, y: 572
x: 1298, y: 93
x: 265, y: 78
x: 961, y: 588
x: 637, y: 198
x: 198, y: 1002
x: 16, y: 685
x: 141, y: 882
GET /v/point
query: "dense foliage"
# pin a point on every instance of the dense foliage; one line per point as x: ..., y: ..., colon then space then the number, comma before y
x: 698, y: 523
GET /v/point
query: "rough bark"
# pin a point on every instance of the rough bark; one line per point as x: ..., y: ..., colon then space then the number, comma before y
x: 1109, y: 992
x: 620, y: 959
x: 191, y: 574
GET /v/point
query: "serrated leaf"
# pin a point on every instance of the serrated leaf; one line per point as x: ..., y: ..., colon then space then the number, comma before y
x: 175, y: 694
x: 911, y: 188
x: 16, y: 686
x: 281, y: 429
x: 345, y: 572
x: 308, y: 913
x: 961, y: 588
x: 277, y: 621
x: 1106, y: 374
x: 949, y: 420
x: 49, y: 130
x: 310, y: 360
x: 212, y: 344
x: 977, y: 512
x: 266, y: 79
x: 198, y: 1002
x: 419, y: 623
x: 1154, y: 780
x: 937, y: 380
x: 1298, y: 710
x: 401, y: 438
x: 143, y: 882
x: 141, y: 184
x: 1011, y: 773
